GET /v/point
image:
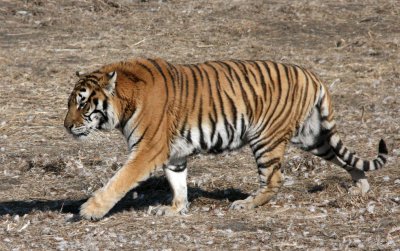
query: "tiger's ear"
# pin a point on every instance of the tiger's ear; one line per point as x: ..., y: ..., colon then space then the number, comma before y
x: 112, y: 79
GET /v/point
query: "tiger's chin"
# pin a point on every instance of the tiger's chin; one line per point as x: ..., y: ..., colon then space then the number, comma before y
x: 81, y: 136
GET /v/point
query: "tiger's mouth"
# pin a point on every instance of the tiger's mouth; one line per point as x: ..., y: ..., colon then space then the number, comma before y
x: 81, y: 132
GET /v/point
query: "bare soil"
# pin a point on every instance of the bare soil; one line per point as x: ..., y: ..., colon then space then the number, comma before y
x: 45, y: 175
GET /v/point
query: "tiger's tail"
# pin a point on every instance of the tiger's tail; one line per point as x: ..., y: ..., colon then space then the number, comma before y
x: 346, y: 158
x: 351, y: 160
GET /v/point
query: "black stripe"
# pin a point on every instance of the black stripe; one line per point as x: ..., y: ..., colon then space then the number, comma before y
x: 303, y: 105
x: 217, y: 148
x: 330, y: 158
x: 139, y: 140
x: 233, y: 108
x: 278, y: 75
x: 98, y: 111
x: 155, y: 156
x: 210, y: 94
x: 203, y: 144
x: 269, y: 163
x: 181, y: 86
x: 172, y: 75
x: 147, y: 69
x: 382, y: 157
x: 287, y: 108
x: 219, y: 94
x: 228, y: 78
x: 217, y: 84
x: 189, y: 136
x: 186, y: 87
x: 130, y: 134
x: 324, y: 154
x: 266, y: 123
x: 344, y: 153
x: 269, y: 93
x: 320, y: 142
x: 158, y: 67
x: 177, y: 168
x: 195, y: 85
x: 338, y: 147
x: 182, y: 130
x: 243, y: 127
x: 262, y: 78
x: 376, y: 163
x: 259, y: 145
x: 366, y: 166
x: 245, y: 74
x: 272, y: 147
x: 276, y: 168
x: 213, y: 127
x: 351, y: 155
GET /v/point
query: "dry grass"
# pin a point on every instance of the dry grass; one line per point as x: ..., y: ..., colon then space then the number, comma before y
x: 45, y: 175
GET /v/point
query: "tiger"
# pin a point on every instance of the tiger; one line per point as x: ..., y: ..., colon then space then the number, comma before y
x: 168, y: 112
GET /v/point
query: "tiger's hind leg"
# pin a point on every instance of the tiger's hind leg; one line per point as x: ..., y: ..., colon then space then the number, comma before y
x: 268, y: 158
x: 361, y: 185
x: 314, y: 136
x: 325, y: 151
x: 176, y: 175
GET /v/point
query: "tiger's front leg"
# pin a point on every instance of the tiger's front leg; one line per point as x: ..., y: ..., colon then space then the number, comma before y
x: 136, y: 169
x: 176, y: 174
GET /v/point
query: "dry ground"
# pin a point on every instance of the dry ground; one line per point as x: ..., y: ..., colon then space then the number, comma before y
x: 45, y: 175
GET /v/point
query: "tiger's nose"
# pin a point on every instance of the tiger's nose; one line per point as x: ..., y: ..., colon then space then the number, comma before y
x: 68, y: 125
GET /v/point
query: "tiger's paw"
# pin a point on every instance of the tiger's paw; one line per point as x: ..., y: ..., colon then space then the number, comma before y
x: 93, y: 210
x: 361, y: 187
x: 242, y: 205
x: 167, y: 211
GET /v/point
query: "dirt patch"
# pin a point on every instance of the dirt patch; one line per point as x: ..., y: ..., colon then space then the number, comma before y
x: 45, y: 175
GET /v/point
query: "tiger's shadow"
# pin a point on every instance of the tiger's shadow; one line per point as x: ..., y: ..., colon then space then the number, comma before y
x: 153, y: 192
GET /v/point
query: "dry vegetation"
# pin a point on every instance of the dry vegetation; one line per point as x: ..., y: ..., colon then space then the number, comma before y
x: 45, y: 175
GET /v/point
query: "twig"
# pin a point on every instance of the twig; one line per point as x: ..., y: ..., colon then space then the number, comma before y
x: 141, y: 41
x: 362, y: 114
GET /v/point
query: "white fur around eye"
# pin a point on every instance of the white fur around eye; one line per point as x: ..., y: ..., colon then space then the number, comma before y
x: 81, y: 98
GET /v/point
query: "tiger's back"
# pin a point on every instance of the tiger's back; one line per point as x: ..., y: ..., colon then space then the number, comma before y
x: 227, y: 104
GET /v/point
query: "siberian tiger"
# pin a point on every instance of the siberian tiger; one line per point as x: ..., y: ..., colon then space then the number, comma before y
x: 168, y: 112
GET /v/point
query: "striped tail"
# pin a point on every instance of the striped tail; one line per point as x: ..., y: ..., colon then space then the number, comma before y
x: 351, y: 160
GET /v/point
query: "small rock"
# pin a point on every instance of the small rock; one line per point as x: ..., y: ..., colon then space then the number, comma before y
x: 289, y: 181
x: 22, y: 12
x: 205, y: 209
x: 371, y: 207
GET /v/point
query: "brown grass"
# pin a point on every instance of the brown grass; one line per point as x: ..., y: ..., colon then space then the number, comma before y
x: 45, y: 175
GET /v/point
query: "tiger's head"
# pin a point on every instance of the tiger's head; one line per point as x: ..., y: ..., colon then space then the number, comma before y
x: 91, y: 105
